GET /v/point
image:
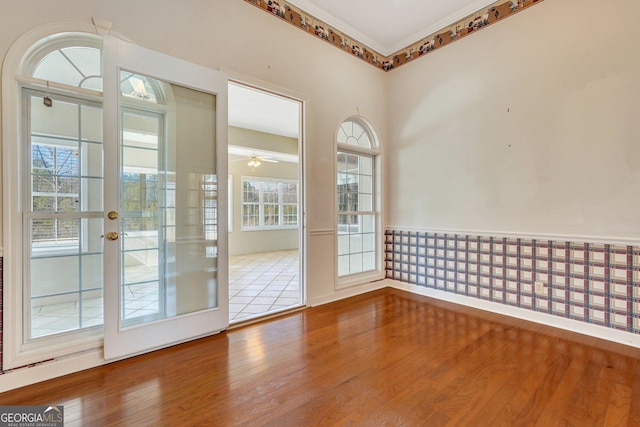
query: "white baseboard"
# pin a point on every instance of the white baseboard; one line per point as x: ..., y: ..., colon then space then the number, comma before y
x: 571, y: 325
x: 48, y: 370
x: 347, y: 292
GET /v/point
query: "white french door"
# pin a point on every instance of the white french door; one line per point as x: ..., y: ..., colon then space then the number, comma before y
x: 165, y: 247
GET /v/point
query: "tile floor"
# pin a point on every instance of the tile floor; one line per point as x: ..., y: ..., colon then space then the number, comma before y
x: 258, y: 284
x: 53, y: 318
x: 263, y: 282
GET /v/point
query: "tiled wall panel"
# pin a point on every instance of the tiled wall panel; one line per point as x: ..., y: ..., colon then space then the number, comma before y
x: 593, y: 283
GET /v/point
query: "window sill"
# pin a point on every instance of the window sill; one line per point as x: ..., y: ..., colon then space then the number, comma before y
x: 274, y: 228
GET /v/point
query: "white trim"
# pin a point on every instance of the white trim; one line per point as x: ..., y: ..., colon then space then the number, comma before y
x: 230, y: 202
x: 49, y: 370
x: 386, y: 50
x: 42, y: 84
x: 347, y: 293
x: 372, y: 152
x: 103, y: 27
x: 612, y: 240
x: 440, y: 25
x: 352, y: 280
x: 337, y: 23
x: 12, y: 199
x: 571, y: 325
x: 322, y: 232
x: 271, y: 155
x: 250, y: 229
x: 272, y: 89
x: 375, y: 153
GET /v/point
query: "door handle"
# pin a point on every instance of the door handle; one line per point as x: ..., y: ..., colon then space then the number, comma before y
x: 112, y: 215
x: 113, y: 235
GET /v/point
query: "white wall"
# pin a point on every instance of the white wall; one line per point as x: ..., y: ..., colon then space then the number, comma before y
x: 250, y: 44
x: 529, y: 126
x: 246, y: 242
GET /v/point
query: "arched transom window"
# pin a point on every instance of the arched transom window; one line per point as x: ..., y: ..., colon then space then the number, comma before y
x: 353, y: 133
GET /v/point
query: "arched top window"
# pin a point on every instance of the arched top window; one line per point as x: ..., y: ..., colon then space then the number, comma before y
x: 357, y: 133
x: 76, y: 60
x: 75, y: 66
x: 72, y: 59
x: 357, y: 193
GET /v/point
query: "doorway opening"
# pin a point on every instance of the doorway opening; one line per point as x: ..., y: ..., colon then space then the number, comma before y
x: 265, y: 203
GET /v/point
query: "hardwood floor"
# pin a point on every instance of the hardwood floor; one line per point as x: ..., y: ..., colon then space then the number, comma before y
x: 384, y: 358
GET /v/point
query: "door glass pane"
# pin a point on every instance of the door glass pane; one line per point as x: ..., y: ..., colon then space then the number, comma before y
x: 91, y: 120
x: 168, y: 201
x: 64, y: 275
x: 63, y: 218
x: 140, y: 214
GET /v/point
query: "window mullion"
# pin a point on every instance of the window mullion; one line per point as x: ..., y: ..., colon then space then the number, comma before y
x: 356, y: 213
x: 270, y: 205
x: 280, y: 205
x: 261, y: 204
x: 39, y: 84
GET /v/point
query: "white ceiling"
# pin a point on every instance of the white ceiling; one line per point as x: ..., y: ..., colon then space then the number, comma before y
x: 388, y: 26
x: 263, y: 112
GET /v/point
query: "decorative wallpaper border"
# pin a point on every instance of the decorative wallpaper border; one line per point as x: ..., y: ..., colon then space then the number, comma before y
x: 471, y: 24
x: 592, y: 283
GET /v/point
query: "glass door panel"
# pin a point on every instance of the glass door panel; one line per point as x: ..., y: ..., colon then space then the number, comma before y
x: 63, y: 216
x: 142, y: 284
x: 168, y: 203
x: 164, y: 235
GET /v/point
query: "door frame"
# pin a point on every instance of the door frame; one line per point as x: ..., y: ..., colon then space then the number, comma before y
x: 121, y: 342
x: 302, y: 100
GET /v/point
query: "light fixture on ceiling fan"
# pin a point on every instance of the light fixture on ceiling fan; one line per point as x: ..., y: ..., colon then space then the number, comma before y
x: 254, y: 162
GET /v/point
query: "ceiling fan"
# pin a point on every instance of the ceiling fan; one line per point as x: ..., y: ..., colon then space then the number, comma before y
x: 255, y: 157
x: 255, y: 161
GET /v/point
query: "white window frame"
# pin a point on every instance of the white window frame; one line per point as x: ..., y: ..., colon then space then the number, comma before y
x: 16, y: 352
x: 375, y: 152
x: 55, y: 248
x: 261, y: 204
x: 230, y: 203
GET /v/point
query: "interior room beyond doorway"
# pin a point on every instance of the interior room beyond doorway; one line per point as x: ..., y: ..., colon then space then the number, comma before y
x: 265, y: 200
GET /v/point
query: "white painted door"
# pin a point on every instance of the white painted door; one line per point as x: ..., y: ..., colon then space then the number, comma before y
x: 165, y: 269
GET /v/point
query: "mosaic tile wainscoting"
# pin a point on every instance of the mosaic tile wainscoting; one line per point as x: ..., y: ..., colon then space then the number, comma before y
x: 593, y: 283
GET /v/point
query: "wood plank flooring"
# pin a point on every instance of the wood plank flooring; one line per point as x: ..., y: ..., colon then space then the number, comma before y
x: 386, y: 358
